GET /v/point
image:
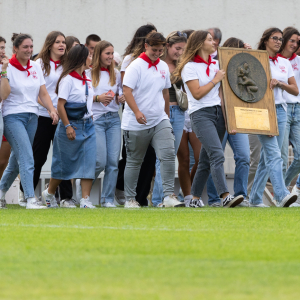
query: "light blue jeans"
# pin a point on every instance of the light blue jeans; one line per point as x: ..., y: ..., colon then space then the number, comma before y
x: 19, y: 130
x: 177, y: 122
x: 240, y: 146
x: 1, y: 127
x: 270, y: 163
x: 108, y: 139
x: 292, y: 134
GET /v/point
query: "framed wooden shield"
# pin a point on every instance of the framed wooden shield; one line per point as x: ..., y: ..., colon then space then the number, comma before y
x: 249, y: 101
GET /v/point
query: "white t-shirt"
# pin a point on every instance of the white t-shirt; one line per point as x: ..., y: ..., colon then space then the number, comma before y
x: 51, y: 82
x: 0, y: 84
x: 193, y: 71
x: 23, y: 97
x: 103, y: 87
x: 295, y: 63
x: 72, y: 90
x: 282, y: 71
x: 147, y: 84
x: 125, y: 63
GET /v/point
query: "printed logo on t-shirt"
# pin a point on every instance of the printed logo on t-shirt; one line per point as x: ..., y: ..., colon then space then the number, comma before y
x: 33, y: 73
x: 295, y: 67
x: 163, y: 73
x: 89, y: 85
x: 282, y: 68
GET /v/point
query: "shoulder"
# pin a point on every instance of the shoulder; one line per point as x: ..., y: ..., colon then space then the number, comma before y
x: 282, y: 60
x: 88, y: 73
x: 117, y: 72
x: 163, y: 64
x: 66, y: 79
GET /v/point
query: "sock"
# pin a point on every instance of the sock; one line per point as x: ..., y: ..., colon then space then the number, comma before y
x: 188, y: 197
x: 2, y: 195
x: 48, y: 194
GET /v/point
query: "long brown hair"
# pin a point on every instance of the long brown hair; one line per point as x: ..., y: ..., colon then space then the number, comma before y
x: 266, y: 35
x: 287, y: 34
x: 70, y: 40
x: 233, y: 43
x: 194, y: 44
x: 44, y: 54
x: 96, y: 62
x: 75, y: 59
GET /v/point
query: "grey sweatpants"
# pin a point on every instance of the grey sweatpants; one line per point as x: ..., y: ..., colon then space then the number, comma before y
x: 162, y: 139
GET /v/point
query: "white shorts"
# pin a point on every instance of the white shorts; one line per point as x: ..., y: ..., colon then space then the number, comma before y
x: 187, y: 123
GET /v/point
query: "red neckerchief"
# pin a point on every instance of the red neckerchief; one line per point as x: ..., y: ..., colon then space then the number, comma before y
x: 55, y: 62
x: 274, y: 58
x: 105, y: 69
x: 15, y: 63
x: 148, y: 60
x: 77, y: 76
x: 199, y: 59
x: 291, y: 58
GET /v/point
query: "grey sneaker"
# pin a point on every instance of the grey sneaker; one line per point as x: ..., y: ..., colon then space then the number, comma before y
x: 3, y: 204
x: 287, y: 200
x: 244, y: 203
x: 68, y: 203
x: 231, y: 201
x: 216, y: 204
x: 194, y: 203
x: 131, y: 203
x: 22, y: 201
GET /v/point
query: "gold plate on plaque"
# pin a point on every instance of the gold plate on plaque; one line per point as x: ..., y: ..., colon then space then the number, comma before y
x: 252, y: 118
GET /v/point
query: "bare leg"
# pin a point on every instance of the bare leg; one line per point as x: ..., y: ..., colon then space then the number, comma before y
x: 86, y: 186
x: 54, y: 183
x: 4, y: 156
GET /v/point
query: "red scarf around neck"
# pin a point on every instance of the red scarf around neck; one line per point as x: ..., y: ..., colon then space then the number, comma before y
x: 104, y: 69
x: 291, y: 58
x: 199, y: 59
x: 148, y: 60
x: 274, y: 58
x: 55, y: 62
x: 77, y: 76
x: 15, y: 63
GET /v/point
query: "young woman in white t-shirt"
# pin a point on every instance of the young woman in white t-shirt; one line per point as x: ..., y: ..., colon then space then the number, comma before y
x: 288, y: 50
x: 148, y: 165
x: 145, y: 119
x: 270, y: 163
x: 20, y: 115
x: 74, y: 146
x: 106, y: 79
x: 51, y: 58
x: 201, y: 76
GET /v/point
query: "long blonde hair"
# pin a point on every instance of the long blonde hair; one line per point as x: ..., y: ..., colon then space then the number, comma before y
x: 194, y: 44
x: 96, y: 63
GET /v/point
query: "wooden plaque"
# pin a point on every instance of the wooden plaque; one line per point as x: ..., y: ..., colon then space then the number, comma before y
x: 249, y: 109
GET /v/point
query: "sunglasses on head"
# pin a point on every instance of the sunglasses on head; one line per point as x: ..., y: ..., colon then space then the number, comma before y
x: 178, y: 33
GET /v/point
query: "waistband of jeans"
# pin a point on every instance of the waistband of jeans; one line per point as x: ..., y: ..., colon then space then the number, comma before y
x: 293, y: 104
x: 110, y: 113
x: 278, y: 105
x: 175, y: 107
x: 82, y: 121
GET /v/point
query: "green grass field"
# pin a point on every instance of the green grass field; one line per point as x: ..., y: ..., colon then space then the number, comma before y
x: 150, y: 253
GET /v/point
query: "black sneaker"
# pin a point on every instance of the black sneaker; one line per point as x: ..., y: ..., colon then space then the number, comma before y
x: 194, y: 203
x: 231, y: 201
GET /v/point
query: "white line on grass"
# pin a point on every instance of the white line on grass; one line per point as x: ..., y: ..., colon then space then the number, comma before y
x: 99, y: 227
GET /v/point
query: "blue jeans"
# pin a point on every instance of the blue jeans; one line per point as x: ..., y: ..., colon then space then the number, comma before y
x: 270, y: 163
x: 1, y: 128
x: 108, y: 139
x: 177, y: 122
x: 240, y: 146
x: 19, y: 130
x: 292, y: 134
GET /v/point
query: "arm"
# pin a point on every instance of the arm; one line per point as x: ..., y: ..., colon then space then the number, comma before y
x: 290, y: 87
x: 132, y: 104
x: 198, y: 91
x: 71, y: 134
x: 167, y: 101
x: 4, y: 86
x: 47, y: 102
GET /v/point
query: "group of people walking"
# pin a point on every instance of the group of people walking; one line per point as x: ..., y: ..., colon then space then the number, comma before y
x: 70, y: 94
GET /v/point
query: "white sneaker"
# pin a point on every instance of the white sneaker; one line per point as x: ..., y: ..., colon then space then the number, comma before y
x: 78, y: 189
x: 2, y: 204
x: 67, y: 203
x: 108, y: 205
x: 120, y: 197
x: 258, y: 205
x: 231, y: 201
x: 172, y: 201
x: 49, y: 200
x: 287, y: 200
x: 160, y: 205
x: 193, y: 203
x: 86, y: 203
x: 131, y: 203
x: 34, y: 204
x: 295, y: 204
x: 244, y: 203
x: 296, y: 191
x: 22, y: 201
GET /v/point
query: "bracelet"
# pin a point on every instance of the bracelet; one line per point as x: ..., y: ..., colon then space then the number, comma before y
x: 67, y: 125
x: 3, y: 72
x: 4, y: 76
x: 213, y: 83
x: 96, y: 98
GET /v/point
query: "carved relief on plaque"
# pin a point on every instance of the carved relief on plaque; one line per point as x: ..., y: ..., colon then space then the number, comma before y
x: 247, y: 77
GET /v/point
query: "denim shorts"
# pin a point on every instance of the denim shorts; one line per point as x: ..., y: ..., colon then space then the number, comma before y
x: 77, y: 158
